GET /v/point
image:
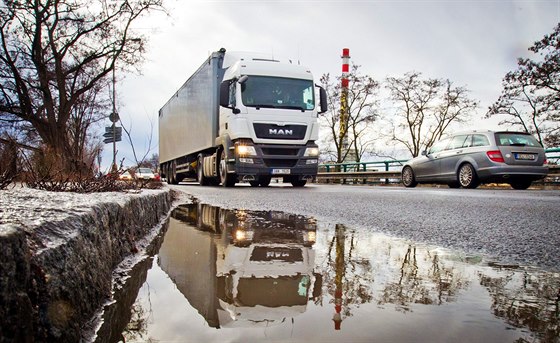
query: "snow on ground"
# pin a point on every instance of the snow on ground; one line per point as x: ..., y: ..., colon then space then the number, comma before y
x: 28, y: 208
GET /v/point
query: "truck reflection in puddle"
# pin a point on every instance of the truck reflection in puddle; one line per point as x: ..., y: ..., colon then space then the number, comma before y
x: 242, y: 269
x: 280, y: 277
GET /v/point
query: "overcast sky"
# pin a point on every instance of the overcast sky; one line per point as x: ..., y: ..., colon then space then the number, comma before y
x: 474, y: 43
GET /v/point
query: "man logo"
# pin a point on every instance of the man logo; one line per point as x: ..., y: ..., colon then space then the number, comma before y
x: 279, y: 132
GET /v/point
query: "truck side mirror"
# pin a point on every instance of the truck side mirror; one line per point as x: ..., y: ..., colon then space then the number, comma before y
x: 224, y: 94
x: 323, y: 100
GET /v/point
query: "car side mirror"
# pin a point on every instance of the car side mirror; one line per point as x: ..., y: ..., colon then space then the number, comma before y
x: 424, y: 152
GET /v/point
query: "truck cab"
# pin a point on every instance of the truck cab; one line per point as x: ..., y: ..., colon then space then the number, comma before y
x: 243, y: 117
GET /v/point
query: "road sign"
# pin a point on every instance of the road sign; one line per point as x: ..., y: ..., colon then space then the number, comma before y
x: 110, y: 129
x: 112, y: 134
x: 114, y: 117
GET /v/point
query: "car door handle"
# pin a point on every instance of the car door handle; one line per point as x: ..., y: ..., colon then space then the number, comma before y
x: 459, y: 152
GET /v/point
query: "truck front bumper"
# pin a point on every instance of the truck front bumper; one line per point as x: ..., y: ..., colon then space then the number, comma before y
x: 278, y: 160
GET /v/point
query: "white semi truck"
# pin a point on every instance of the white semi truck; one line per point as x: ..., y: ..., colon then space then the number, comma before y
x: 242, y: 117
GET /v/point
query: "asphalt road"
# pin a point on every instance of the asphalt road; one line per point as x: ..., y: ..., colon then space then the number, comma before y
x: 506, y: 226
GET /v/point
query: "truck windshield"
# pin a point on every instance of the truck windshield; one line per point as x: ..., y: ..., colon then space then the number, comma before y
x: 277, y: 92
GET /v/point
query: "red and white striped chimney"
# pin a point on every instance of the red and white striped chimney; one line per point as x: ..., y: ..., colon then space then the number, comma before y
x: 345, y: 66
x: 343, y: 127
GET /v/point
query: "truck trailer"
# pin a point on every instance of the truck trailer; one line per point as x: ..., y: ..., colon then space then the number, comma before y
x: 242, y: 118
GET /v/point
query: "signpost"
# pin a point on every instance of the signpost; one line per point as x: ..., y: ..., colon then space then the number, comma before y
x: 112, y: 134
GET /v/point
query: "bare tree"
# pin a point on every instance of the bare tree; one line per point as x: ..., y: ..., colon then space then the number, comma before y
x: 362, y: 106
x: 87, y: 114
x: 141, y: 161
x: 530, y: 97
x: 54, y: 53
x: 521, y: 106
x: 425, y: 109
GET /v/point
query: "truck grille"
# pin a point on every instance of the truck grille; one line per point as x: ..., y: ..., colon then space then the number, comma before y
x: 272, y: 131
x: 279, y: 163
x: 280, y: 151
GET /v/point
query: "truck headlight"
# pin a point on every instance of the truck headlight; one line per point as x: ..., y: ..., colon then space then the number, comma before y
x: 243, y: 235
x: 311, y: 152
x: 310, y: 237
x: 246, y: 150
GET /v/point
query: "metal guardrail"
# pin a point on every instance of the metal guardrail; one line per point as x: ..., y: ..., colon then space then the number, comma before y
x: 368, y: 172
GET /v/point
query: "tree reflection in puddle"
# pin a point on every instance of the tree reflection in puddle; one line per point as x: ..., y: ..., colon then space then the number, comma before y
x: 240, y: 276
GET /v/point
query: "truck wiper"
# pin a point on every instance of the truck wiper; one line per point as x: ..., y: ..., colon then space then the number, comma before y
x: 301, y: 108
x: 258, y: 107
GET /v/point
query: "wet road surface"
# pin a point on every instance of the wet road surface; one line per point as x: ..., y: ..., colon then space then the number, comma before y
x: 515, y: 227
x: 254, y: 276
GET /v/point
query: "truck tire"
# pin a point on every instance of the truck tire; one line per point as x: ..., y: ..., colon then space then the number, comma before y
x: 264, y: 181
x: 298, y: 183
x: 173, y: 174
x: 202, y: 180
x: 227, y: 179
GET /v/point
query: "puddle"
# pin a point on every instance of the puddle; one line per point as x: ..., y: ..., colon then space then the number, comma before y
x: 245, y: 276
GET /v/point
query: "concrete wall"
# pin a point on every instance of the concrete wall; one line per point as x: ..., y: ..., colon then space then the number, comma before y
x: 55, y: 276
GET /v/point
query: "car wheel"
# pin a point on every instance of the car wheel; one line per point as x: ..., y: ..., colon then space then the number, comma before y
x: 407, y: 177
x: 467, y: 176
x: 254, y: 183
x: 454, y: 185
x: 520, y: 184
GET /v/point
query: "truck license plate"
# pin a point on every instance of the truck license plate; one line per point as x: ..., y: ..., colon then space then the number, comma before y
x: 524, y: 156
x: 280, y: 171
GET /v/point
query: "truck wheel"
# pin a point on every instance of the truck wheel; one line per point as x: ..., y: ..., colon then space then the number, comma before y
x: 172, y: 174
x: 202, y: 180
x: 227, y: 180
x: 298, y: 183
x: 264, y: 181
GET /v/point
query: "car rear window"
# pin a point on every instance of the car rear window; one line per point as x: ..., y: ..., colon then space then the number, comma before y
x: 516, y: 139
x: 480, y: 140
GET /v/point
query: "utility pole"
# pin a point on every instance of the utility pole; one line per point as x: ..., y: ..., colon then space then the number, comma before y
x: 114, y: 113
x: 113, y: 133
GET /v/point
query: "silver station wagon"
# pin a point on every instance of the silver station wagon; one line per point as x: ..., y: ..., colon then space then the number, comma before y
x: 468, y: 159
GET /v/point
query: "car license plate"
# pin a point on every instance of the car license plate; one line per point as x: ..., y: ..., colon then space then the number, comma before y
x: 524, y: 156
x: 280, y: 171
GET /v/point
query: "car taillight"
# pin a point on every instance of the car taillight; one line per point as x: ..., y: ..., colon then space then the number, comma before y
x: 495, y: 155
